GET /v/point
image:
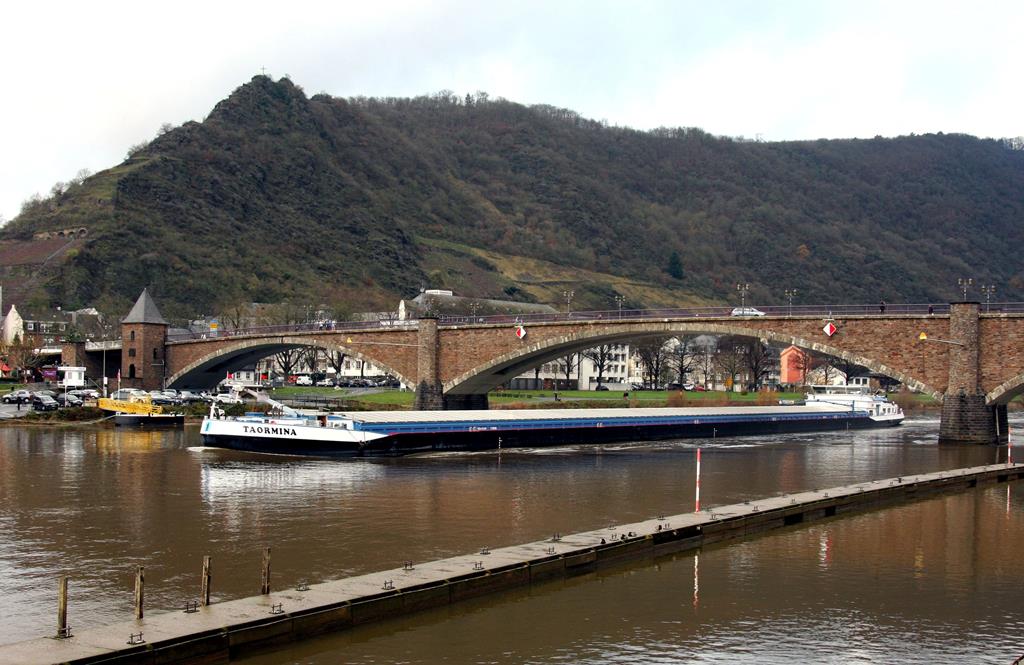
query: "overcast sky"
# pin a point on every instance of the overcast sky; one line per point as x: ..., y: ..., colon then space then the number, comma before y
x: 83, y: 81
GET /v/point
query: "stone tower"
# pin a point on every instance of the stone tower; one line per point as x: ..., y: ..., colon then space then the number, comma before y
x: 143, y: 340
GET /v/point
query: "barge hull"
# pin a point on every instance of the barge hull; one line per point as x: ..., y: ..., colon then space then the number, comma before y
x: 422, y: 442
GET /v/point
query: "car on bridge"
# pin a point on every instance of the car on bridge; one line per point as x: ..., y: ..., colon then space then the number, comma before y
x: 746, y: 311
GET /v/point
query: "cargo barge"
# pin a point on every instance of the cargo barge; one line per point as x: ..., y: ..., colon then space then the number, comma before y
x: 407, y: 432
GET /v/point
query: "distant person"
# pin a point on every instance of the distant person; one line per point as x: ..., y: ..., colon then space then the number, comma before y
x: 881, y: 307
x: 931, y: 309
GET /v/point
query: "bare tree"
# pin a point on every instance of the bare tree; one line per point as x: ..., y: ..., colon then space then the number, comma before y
x: 601, y: 356
x: 336, y: 359
x: 682, y: 358
x: 568, y: 364
x: 729, y: 360
x: 288, y: 360
x: 848, y: 368
x: 652, y: 356
x: 310, y: 357
x: 758, y: 361
x: 704, y: 360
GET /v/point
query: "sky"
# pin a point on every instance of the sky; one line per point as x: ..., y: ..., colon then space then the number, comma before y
x: 85, y: 81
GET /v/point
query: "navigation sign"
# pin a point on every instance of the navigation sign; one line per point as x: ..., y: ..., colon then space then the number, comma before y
x: 830, y: 329
x: 520, y: 332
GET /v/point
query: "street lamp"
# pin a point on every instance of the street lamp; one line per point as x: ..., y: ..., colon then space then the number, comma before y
x: 789, y: 294
x: 988, y: 291
x: 743, y: 288
x: 568, y: 300
x: 963, y: 284
x: 618, y: 301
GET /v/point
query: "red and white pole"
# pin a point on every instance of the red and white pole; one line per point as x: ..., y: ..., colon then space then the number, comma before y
x: 1009, y: 446
x: 696, y: 508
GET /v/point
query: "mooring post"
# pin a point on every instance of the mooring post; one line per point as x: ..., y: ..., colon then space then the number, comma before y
x: 265, y: 578
x: 140, y: 582
x: 62, y: 607
x: 204, y: 594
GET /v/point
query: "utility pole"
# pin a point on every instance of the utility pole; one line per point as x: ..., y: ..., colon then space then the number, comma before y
x: 789, y: 294
x: 963, y: 284
x: 743, y: 289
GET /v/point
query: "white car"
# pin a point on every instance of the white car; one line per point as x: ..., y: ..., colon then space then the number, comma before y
x: 326, y: 383
x: 303, y: 380
x: 747, y: 311
x: 227, y: 398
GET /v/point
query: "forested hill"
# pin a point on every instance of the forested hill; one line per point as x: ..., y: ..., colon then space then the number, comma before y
x: 361, y: 201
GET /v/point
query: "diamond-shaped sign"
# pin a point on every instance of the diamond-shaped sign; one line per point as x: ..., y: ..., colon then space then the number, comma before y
x: 830, y: 329
x: 520, y: 332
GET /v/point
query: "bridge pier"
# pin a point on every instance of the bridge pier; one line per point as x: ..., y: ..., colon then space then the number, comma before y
x: 966, y: 418
x: 429, y: 392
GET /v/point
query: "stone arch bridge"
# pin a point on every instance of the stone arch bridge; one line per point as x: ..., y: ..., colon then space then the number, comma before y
x: 972, y: 361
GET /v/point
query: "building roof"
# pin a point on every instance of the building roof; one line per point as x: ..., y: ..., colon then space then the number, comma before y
x: 144, y: 311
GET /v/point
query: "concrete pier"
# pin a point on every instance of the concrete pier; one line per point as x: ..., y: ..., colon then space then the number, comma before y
x: 216, y: 633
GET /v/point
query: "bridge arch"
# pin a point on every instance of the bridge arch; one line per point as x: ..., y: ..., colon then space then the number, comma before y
x: 1006, y: 391
x: 507, y: 366
x: 211, y: 368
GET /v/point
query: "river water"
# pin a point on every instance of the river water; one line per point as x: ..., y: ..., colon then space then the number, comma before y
x: 934, y: 581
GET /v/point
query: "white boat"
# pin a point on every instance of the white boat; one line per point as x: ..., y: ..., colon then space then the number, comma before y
x: 857, y: 398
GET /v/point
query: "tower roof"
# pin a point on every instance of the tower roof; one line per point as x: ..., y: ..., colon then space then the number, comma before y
x: 144, y: 311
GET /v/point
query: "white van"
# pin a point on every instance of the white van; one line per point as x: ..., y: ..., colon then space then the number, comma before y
x: 303, y: 380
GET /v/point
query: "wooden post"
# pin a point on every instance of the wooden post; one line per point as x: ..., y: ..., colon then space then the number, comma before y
x: 204, y: 595
x: 62, y: 607
x: 265, y: 578
x: 140, y: 583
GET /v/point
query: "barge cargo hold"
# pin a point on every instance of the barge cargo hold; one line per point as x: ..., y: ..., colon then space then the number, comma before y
x: 407, y: 432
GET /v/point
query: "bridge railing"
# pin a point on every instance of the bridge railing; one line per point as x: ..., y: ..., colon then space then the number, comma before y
x: 824, y: 311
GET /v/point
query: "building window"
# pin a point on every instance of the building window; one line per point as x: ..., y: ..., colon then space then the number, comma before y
x: 30, y: 326
x: 131, y: 336
x: 154, y: 353
x: 131, y: 371
x: 131, y: 353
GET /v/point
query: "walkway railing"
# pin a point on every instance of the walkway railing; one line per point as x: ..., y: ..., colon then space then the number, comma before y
x: 774, y: 311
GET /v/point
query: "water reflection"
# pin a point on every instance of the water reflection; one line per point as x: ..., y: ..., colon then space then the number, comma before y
x: 95, y: 502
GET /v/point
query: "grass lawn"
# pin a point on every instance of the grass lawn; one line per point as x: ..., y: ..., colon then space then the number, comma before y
x: 287, y: 392
x: 642, y: 395
x: 539, y: 397
x: 396, y: 397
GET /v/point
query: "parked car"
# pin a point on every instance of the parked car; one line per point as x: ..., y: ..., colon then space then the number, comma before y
x: 67, y: 399
x: 127, y: 393
x: 161, y: 398
x: 688, y: 386
x: 85, y: 394
x: 44, y: 403
x: 747, y: 311
x: 303, y: 381
x: 189, y: 397
x: 326, y: 383
x: 227, y: 398
x: 17, y: 397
